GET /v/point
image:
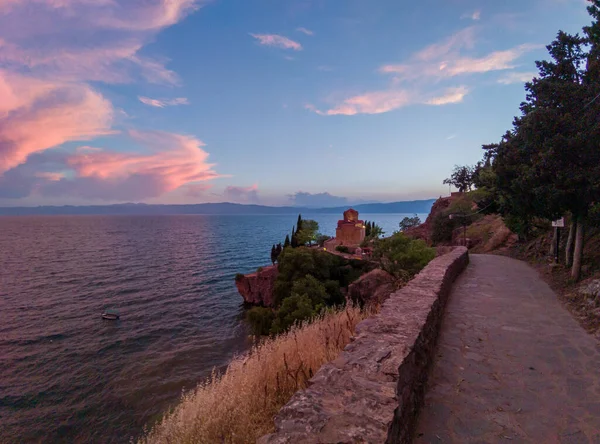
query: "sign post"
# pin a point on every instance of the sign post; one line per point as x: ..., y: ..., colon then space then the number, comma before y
x: 557, y: 224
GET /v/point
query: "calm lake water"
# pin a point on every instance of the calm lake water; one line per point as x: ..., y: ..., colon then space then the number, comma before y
x: 68, y: 376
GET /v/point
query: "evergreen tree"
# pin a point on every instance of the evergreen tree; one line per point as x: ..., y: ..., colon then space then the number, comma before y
x: 294, y: 241
x: 273, y: 254
x: 287, y: 241
x: 299, y: 224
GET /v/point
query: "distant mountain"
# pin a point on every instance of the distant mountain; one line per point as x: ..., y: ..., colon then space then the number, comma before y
x: 415, y: 206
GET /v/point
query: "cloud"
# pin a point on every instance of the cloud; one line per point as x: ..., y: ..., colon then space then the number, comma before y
x: 305, y: 31
x: 318, y: 200
x: 451, y: 136
x: 417, y: 80
x: 455, y: 65
x: 165, y: 162
x: 378, y: 102
x: 475, y: 15
x: 62, y: 45
x: 242, y: 194
x: 161, y: 103
x: 452, y: 95
x: 517, y: 77
x: 277, y: 41
x: 38, y: 115
x: 197, y: 190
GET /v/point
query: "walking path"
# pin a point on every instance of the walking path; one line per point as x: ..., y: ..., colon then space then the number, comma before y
x: 512, y: 366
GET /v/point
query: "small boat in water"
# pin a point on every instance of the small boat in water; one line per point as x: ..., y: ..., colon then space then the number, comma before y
x: 110, y: 316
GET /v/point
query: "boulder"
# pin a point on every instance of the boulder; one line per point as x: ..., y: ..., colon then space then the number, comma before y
x: 257, y: 288
x: 373, y: 287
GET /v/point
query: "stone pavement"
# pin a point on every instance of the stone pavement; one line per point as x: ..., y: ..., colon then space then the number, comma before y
x: 512, y: 365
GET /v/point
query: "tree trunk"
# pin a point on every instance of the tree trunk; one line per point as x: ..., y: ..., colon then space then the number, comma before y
x: 569, y: 247
x: 578, y: 252
x: 553, y: 243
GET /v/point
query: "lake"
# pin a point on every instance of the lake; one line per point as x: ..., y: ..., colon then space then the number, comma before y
x: 68, y: 376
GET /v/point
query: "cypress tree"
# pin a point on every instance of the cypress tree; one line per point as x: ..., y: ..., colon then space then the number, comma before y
x: 294, y: 242
x: 287, y: 241
x: 299, y: 223
x: 273, y: 254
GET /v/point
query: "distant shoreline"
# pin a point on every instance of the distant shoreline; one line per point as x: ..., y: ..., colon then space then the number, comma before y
x: 226, y: 208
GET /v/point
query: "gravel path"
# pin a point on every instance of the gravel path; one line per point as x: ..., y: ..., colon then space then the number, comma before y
x: 512, y: 365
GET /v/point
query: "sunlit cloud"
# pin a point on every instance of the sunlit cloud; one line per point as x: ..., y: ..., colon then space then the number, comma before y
x: 517, y: 77
x: 63, y: 45
x: 38, y: 115
x: 456, y: 65
x: 305, y: 31
x: 162, y: 103
x: 277, y: 41
x: 378, y: 102
x: 452, y: 95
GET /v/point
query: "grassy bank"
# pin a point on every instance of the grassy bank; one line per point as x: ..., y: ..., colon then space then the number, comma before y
x: 239, y: 405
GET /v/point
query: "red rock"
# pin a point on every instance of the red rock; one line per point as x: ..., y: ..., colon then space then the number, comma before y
x: 257, y: 288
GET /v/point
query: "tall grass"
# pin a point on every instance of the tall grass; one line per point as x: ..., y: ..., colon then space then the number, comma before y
x: 239, y: 405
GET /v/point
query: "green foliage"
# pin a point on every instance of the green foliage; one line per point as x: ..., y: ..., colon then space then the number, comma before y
x: 287, y: 241
x: 239, y: 277
x: 342, y: 249
x: 461, y: 178
x: 260, y: 319
x: 442, y: 228
x: 322, y: 238
x: 259, y: 269
x: 309, y: 281
x: 409, y: 222
x: 296, y: 308
x: 308, y: 233
x: 402, y: 256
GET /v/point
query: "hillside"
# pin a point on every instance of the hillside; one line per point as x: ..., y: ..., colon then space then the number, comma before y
x: 416, y: 206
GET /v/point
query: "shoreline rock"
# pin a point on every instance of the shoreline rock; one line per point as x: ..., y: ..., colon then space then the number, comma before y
x: 257, y: 288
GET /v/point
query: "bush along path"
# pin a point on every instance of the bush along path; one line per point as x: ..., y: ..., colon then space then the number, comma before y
x: 512, y: 365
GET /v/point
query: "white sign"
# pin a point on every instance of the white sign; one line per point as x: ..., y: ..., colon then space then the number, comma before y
x: 559, y: 223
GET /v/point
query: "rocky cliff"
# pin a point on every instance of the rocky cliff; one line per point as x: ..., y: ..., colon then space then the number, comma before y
x: 373, y: 287
x: 257, y: 288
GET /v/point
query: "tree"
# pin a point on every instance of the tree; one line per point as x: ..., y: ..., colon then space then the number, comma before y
x: 308, y: 233
x: 376, y: 231
x: 321, y: 239
x: 287, y: 241
x: 402, y: 256
x: 409, y: 222
x: 461, y: 178
x: 273, y: 254
x: 299, y: 223
x: 367, y: 229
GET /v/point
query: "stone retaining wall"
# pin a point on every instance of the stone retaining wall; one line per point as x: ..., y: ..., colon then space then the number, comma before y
x: 374, y: 390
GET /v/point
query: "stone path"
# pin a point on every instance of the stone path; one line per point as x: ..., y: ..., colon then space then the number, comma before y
x: 512, y: 365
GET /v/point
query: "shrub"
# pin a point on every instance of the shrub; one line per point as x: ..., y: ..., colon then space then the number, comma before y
x: 442, y: 228
x: 294, y: 310
x: 239, y: 277
x: 402, y: 256
x: 342, y: 249
x: 239, y: 405
x: 259, y: 269
x: 321, y: 239
x: 260, y: 319
x: 409, y: 222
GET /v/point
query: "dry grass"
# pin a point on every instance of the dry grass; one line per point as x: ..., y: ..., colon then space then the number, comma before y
x: 239, y: 405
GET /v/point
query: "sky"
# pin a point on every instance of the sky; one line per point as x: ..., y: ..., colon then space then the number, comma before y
x: 276, y: 102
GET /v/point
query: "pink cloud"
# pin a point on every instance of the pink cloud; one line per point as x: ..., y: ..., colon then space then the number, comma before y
x: 38, y: 115
x: 173, y: 160
x: 452, y: 95
x: 445, y: 60
x: 161, y: 103
x: 376, y: 102
x: 277, y: 41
